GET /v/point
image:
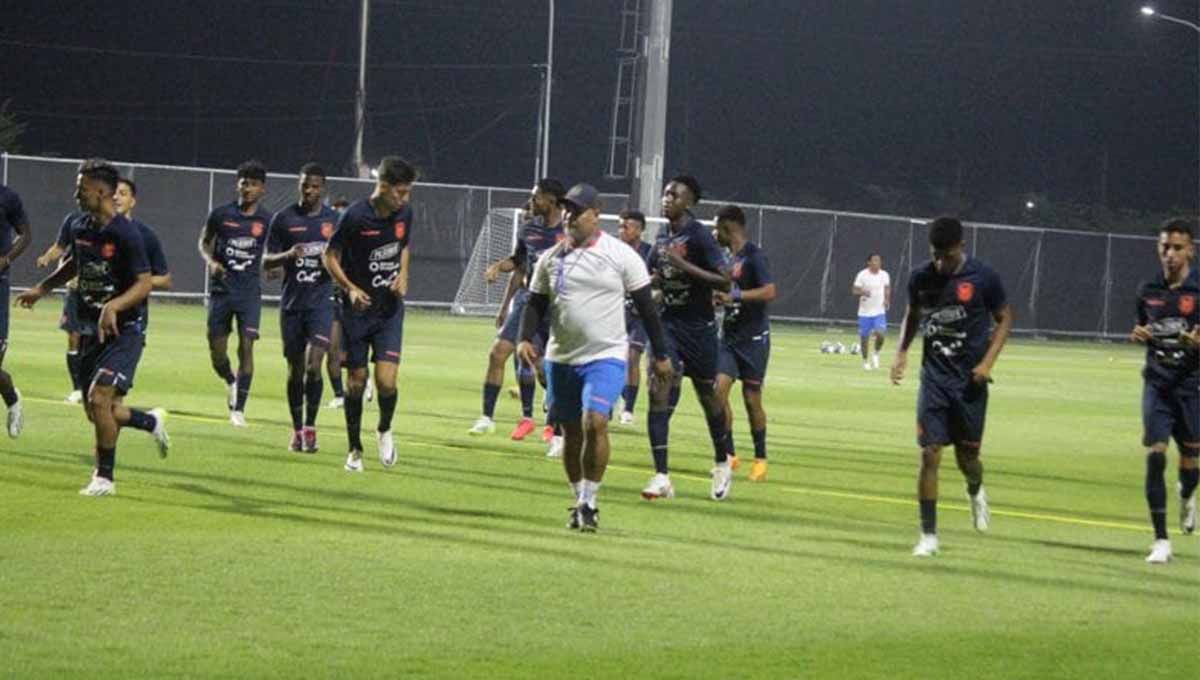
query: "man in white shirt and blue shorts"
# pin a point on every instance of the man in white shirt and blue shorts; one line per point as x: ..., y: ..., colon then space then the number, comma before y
x: 873, y: 287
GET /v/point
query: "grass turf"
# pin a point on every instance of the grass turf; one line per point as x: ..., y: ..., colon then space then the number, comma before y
x: 236, y: 558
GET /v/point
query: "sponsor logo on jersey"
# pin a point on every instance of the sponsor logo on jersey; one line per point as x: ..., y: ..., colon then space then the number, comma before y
x: 257, y: 229
x: 1187, y: 303
x: 385, y: 252
x: 965, y: 291
x: 231, y: 223
x: 1155, y: 302
x: 737, y: 269
x: 242, y: 242
x: 401, y: 228
x: 326, y: 230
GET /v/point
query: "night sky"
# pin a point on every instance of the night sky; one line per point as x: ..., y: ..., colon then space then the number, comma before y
x: 799, y: 102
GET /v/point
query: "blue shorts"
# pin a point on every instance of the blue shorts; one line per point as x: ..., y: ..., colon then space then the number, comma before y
x: 595, y: 386
x: 694, y: 349
x: 382, y: 335
x: 635, y: 328
x: 511, y: 330
x: 303, y: 327
x: 872, y: 324
x: 223, y: 307
x: 110, y: 363
x: 1168, y: 412
x: 951, y: 415
x: 69, y: 321
x: 746, y: 360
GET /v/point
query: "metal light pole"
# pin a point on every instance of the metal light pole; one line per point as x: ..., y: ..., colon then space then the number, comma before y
x: 545, y: 159
x: 1155, y: 14
x: 360, y: 96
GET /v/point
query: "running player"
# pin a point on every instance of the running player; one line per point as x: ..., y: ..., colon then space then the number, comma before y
x: 69, y: 321
x: 954, y: 299
x: 687, y: 265
x: 12, y: 221
x: 231, y: 244
x: 536, y: 236
x: 746, y: 337
x: 581, y: 286
x: 1168, y: 323
x: 335, y: 355
x: 633, y: 224
x: 298, y: 236
x: 368, y: 258
x: 873, y: 286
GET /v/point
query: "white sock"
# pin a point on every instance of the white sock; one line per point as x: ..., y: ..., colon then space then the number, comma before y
x: 576, y: 490
x: 588, y: 495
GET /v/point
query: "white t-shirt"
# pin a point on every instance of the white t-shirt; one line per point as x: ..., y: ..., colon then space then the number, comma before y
x: 587, y: 287
x: 872, y: 305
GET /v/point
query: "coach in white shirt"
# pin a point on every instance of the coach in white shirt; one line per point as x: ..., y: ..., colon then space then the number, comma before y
x: 582, y: 283
x: 873, y: 287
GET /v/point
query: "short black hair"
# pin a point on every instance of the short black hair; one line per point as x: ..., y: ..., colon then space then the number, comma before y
x: 635, y: 215
x: 340, y: 202
x: 312, y: 169
x: 252, y: 169
x: 102, y: 171
x: 553, y: 187
x: 692, y: 185
x: 396, y: 170
x: 874, y: 255
x: 945, y: 232
x: 1178, y: 225
x: 129, y: 183
x: 732, y: 213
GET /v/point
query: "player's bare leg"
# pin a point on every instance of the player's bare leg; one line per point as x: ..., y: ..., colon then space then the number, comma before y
x: 633, y: 380
x: 1156, y: 499
x: 1189, y: 478
x: 715, y: 417
x: 966, y: 454
x: 333, y: 365
x: 664, y: 395
x: 313, y: 388
x: 388, y: 395
x: 493, y: 379
x: 218, y: 354
x: 757, y: 416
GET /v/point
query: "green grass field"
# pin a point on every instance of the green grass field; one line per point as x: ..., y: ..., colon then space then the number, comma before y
x: 235, y: 558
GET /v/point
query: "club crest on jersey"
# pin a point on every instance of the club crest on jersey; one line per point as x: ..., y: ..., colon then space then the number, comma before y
x: 401, y: 228
x: 108, y: 250
x: 965, y: 291
x: 256, y: 229
x: 1187, y: 303
x: 326, y: 230
x: 737, y: 269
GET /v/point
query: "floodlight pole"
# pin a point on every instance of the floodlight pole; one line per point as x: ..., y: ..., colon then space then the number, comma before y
x: 545, y: 158
x: 1155, y: 14
x: 360, y: 96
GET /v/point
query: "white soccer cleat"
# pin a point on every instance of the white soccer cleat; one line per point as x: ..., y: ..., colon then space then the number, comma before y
x: 659, y: 487
x: 981, y: 515
x: 626, y: 417
x: 875, y: 360
x: 354, y: 461
x: 387, y: 448
x: 866, y: 365
x: 16, y: 417
x: 369, y: 390
x: 336, y: 402
x: 483, y: 425
x: 232, y: 398
x: 1187, y: 512
x: 927, y: 546
x: 74, y: 397
x: 1160, y: 552
x: 722, y: 481
x: 160, y: 431
x: 237, y: 419
x: 99, y: 486
x: 555, y: 449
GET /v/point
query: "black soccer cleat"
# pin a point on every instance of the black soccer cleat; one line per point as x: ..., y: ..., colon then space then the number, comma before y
x: 588, y: 518
x: 574, y: 522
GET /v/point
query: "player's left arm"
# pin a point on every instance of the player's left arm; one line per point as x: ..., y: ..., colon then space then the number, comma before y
x: 20, y: 222
x: 65, y: 272
x: 160, y: 273
x: 400, y: 283
x: 996, y: 302
x: 717, y: 277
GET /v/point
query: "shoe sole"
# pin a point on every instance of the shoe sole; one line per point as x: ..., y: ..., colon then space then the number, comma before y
x: 652, y: 496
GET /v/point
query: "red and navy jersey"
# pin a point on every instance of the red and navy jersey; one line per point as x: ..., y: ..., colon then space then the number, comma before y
x: 64, y: 232
x: 306, y: 284
x: 1170, y: 312
x: 155, y: 257
x: 12, y: 215
x: 746, y: 320
x: 533, y: 239
x: 108, y: 261
x: 956, y: 318
x: 238, y: 247
x: 683, y: 298
x: 369, y: 248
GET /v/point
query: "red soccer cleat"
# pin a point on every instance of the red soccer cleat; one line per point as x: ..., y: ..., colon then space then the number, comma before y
x: 523, y: 429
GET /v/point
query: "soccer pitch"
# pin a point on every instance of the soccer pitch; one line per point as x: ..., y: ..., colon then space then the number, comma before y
x: 236, y: 558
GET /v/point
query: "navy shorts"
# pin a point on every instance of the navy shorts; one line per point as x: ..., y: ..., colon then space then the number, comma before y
x: 511, y: 330
x: 69, y: 321
x: 303, y: 327
x: 746, y: 360
x: 635, y: 328
x: 951, y: 414
x: 594, y: 386
x: 223, y: 307
x: 694, y: 349
x: 4, y: 285
x: 383, y: 335
x: 110, y: 363
x: 1170, y: 411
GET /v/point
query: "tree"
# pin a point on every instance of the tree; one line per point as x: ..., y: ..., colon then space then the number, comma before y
x: 10, y: 129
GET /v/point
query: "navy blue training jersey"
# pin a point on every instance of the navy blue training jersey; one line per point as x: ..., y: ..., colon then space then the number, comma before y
x: 643, y: 249
x: 683, y: 298
x: 1169, y: 312
x: 64, y: 232
x: 108, y: 261
x: 155, y: 257
x: 239, y: 248
x: 956, y: 318
x: 533, y: 239
x: 370, y: 248
x: 306, y: 284
x: 745, y: 320
x: 12, y: 215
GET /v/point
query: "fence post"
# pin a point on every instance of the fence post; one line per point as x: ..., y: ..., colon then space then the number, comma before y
x: 1033, y: 288
x: 1107, y: 283
x: 211, y: 181
x: 760, y: 227
x: 828, y: 265
x: 5, y: 180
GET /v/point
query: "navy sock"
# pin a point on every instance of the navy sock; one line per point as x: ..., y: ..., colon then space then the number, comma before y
x: 140, y: 420
x: 314, y: 386
x: 336, y: 384
x: 658, y: 425
x: 295, y: 397
x: 1188, y: 480
x: 73, y: 369
x: 1156, y: 491
x: 760, y: 443
x: 528, y: 385
x: 225, y: 370
x: 106, y: 460
x: 630, y: 395
x: 928, y: 516
x: 243, y: 390
x: 490, y: 392
x: 973, y: 488
x: 722, y: 444
x: 354, y: 408
x: 7, y: 392
x: 387, y: 406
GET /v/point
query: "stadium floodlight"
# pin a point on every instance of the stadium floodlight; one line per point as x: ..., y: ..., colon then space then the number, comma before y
x: 1148, y: 10
x: 1030, y: 205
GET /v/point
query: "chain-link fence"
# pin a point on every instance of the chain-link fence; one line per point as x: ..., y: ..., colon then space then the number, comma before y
x: 1059, y: 282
